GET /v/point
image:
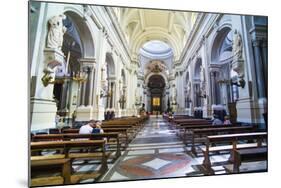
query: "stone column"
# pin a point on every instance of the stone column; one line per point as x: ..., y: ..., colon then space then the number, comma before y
x: 87, y: 66
x: 265, y: 62
x: 259, y: 67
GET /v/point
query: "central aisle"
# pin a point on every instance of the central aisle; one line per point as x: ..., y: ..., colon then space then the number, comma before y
x: 156, y: 152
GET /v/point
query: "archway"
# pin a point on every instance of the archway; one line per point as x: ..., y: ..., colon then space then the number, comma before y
x: 111, y: 81
x: 77, y: 44
x: 196, y: 83
x: 156, y: 85
x: 221, y: 59
x: 224, y: 93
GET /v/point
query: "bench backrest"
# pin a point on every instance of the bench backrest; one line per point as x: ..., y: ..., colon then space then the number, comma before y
x: 236, y: 137
x: 66, y: 144
x: 216, y: 130
x: 69, y: 136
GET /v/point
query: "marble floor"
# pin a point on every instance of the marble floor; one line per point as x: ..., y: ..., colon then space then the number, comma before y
x: 157, y: 152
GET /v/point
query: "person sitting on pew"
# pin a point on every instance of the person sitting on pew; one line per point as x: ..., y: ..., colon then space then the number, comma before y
x: 98, y: 130
x: 88, y: 128
x: 216, y: 120
x: 226, y: 120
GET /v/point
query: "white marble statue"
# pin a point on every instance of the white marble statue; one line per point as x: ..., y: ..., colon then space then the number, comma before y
x: 56, y: 32
x: 202, y: 73
x: 188, y: 89
x: 104, y: 81
x: 237, y: 44
x: 137, y: 95
x: 174, y: 92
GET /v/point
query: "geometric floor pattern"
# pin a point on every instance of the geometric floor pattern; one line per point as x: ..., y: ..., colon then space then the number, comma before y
x: 157, y: 152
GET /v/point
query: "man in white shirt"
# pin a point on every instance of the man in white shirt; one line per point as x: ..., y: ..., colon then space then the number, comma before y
x: 88, y: 128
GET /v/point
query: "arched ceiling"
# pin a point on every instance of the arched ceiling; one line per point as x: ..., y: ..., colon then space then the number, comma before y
x: 143, y: 25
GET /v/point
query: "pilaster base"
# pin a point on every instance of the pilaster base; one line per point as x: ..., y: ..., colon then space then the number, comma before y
x: 84, y: 113
x: 43, y: 113
x: 251, y: 111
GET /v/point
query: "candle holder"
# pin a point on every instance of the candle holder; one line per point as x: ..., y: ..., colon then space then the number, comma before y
x: 48, y: 78
x: 241, y: 83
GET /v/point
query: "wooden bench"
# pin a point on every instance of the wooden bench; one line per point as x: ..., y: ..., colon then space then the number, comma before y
x: 247, y: 155
x: 108, y: 136
x: 124, y: 137
x: 112, y: 138
x: 183, y: 130
x: 230, y: 142
x: 97, y: 152
x: 199, y: 135
x: 56, y: 162
x: 190, y: 122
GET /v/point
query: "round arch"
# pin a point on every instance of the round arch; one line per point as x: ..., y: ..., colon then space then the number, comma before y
x: 110, y: 64
x: 84, y: 30
x: 147, y: 77
x: 197, y: 68
x: 217, y: 41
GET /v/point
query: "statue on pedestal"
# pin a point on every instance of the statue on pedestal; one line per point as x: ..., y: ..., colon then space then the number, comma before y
x: 174, y: 95
x: 237, y: 47
x: 202, y: 82
x: 56, y: 32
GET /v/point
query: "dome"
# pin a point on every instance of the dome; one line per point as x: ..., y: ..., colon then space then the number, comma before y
x: 156, y: 49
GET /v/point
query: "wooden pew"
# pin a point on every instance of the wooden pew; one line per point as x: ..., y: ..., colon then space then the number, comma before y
x: 190, y: 122
x: 247, y: 155
x: 64, y: 164
x: 108, y: 136
x: 97, y: 152
x: 230, y: 142
x: 131, y: 128
x: 56, y: 162
x: 198, y: 133
x: 72, y: 136
x: 123, y: 137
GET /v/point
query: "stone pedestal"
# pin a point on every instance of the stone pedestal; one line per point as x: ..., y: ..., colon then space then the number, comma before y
x: 251, y: 111
x: 43, y: 114
x: 98, y: 114
x: 205, y: 111
x: 84, y: 113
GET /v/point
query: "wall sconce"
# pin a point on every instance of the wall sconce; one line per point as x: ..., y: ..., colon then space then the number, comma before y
x: 79, y: 77
x: 241, y: 83
x: 103, y: 94
x: 47, y: 78
x: 203, y: 96
x: 174, y: 103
